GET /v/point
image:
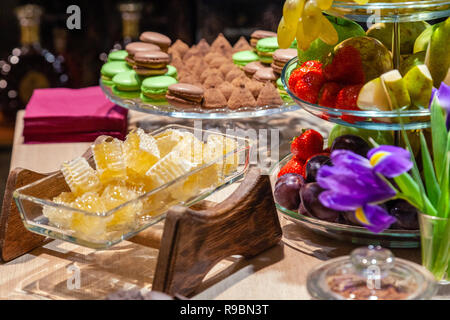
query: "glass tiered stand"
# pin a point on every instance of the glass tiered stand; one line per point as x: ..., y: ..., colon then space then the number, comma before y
x: 389, y: 12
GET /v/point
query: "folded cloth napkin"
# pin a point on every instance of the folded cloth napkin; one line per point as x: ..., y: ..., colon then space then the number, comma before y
x: 72, y: 115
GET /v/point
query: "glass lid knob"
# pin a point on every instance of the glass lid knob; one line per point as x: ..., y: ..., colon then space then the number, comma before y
x: 372, y: 257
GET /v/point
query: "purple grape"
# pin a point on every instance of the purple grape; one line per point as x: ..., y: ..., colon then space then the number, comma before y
x: 287, y: 190
x: 309, y: 195
x: 313, y: 165
x: 350, y: 218
x: 351, y: 142
x: 302, y: 210
x: 405, y: 213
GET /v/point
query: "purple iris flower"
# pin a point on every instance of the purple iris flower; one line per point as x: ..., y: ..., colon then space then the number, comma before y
x: 355, y: 183
x: 443, y: 94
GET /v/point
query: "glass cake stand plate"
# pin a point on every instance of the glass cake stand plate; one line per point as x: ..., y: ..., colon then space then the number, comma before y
x: 374, y: 120
x: 353, y: 234
x: 404, y: 11
x: 197, y: 113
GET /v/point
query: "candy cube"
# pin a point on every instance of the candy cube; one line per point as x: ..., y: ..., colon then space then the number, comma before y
x: 80, y: 177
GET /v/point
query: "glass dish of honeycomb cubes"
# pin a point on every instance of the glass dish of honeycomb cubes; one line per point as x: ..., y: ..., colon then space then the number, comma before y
x: 119, y: 188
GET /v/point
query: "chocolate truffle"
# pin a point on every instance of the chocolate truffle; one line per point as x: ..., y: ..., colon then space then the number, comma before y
x: 180, y: 47
x: 214, y: 99
x: 241, y: 45
x: 269, y: 96
x: 222, y: 46
x: 226, y: 88
x: 234, y: 74
x: 204, y: 47
x: 213, y: 81
x: 241, y: 97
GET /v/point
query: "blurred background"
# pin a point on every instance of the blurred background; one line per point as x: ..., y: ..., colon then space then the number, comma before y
x: 37, y: 50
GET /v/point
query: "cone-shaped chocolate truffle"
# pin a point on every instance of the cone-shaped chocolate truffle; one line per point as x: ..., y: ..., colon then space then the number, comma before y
x: 203, y: 47
x: 269, y: 96
x: 255, y: 87
x: 177, y: 62
x: 226, y: 88
x: 242, y: 80
x: 227, y: 67
x: 218, y: 62
x: 214, y: 99
x: 213, y: 81
x: 222, y: 46
x: 205, y: 74
x: 199, y: 67
x: 211, y: 56
x: 234, y: 74
x: 241, y: 97
x: 180, y: 47
x: 242, y: 45
x: 191, y: 62
x: 192, y: 52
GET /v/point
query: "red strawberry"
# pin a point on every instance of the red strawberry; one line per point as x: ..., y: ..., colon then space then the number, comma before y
x: 348, y: 96
x: 328, y: 94
x: 292, y: 166
x: 298, y: 73
x: 312, y: 64
x: 314, y: 79
x: 305, y: 92
x: 346, y: 67
x: 307, y: 144
x: 294, y: 77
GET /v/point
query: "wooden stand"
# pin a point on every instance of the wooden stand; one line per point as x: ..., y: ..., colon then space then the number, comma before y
x: 193, y: 241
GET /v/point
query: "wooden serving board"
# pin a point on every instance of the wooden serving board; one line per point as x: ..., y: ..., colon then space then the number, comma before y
x: 193, y: 240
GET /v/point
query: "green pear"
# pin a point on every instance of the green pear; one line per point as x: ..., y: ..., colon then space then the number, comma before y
x: 437, y: 57
x: 375, y: 57
x: 409, y: 31
x: 373, y: 97
x: 395, y: 87
x: 410, y: 60
x: 419, y: 84
x: 447, y: 78
x: 423, y: 39
x: 319, y: 49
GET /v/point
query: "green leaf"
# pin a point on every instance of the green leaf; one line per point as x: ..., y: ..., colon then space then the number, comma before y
x: 439, y: 137
x: 443, y: 203
x: 410, y: 191
x: 415, y: 169
x: 431, y: 183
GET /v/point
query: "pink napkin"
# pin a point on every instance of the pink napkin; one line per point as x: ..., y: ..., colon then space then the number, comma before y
x: 72, y: 115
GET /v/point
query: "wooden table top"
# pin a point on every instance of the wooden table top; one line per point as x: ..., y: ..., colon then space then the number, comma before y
x: 44, y: 273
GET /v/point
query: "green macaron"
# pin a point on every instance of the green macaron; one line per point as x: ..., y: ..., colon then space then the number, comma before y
x: 127, y: 84
x: 283, y: 94
x: 265, y: 49
x: 154, y: 88
x: 118, y: 55
x: 110, y: 69
x: 171, y: 71
x: 241, y: 58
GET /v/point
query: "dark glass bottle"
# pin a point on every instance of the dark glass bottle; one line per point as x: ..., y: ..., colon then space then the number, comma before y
x: 131, y: 15
x: 29, y: 66
x: 70, y: 63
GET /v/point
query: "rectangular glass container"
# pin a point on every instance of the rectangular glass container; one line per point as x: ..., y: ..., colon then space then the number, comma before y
x: 100, y: 230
